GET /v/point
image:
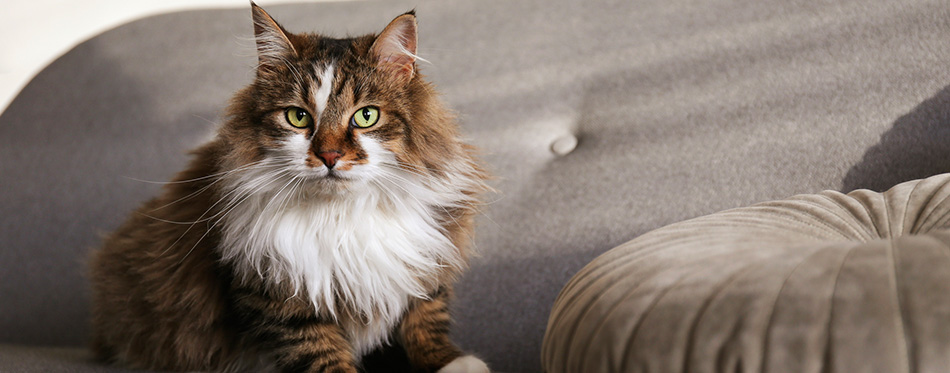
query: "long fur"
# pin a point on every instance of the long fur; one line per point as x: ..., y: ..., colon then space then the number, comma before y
x: 374, y: 247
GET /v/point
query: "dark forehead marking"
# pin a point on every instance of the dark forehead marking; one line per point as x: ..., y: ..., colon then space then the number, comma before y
x: 321, y: 51
x: 334, y: 49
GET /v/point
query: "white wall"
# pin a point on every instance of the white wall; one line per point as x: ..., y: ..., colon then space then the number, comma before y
x: 39, y: 31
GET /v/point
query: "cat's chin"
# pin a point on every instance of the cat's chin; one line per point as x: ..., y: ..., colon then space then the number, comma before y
x: 332, y: 184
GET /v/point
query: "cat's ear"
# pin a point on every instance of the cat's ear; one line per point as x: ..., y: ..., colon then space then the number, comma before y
x: 273, y: 44
x: 395, y: 47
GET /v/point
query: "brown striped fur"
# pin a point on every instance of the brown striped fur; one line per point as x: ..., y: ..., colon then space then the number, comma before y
x: 163, y: 297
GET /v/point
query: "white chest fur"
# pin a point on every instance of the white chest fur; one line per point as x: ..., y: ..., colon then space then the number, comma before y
x: 374, y: 249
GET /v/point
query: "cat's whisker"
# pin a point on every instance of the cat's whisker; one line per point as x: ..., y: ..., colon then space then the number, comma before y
x: 206, y: 177
x: 471, y: 201
x: 191, y: 225
x: 258, y: 188
x: 429, y: 178
x: 212, y: 228
x: 209, y: 121
x: 207, y: 231
x: 271, y: 201
x: 201, y: 218
x: 408, y: 193
x: 409, y: 168
x: 397, y: 162
x: 404, y: 189
x: 293, y: 69
x: 291, y: 195
x: 197, y: 242
x: 413, y: 169
x: 193, y: 194
x: 168, y: 221
x: 298, y: 78
x: 281, y: 207
x: 253, y: 187
x: 256, y: 165
x: 417, y: 172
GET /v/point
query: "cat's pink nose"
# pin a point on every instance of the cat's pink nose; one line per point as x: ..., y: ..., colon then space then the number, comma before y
x: 329, y: 158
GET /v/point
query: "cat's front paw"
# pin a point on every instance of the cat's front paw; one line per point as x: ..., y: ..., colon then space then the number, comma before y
x: 465, y: 364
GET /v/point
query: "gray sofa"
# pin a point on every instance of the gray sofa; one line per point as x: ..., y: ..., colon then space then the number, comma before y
x: 602, y: 120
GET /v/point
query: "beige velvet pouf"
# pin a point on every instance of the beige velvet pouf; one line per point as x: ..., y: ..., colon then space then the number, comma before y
x: 854, y: 282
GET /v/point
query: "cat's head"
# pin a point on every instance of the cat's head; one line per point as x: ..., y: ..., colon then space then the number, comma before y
x: 339, y: 113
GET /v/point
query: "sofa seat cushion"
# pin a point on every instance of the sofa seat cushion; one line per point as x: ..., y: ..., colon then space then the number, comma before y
x: 846, y: 282
x: 21, y: 358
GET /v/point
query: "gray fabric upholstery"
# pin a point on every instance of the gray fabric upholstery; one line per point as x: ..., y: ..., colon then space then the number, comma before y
x: 853, y: 283
x: 680, y: 108
x: 16, y: 358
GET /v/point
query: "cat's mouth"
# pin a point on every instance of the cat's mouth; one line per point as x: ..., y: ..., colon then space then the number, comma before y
x: 334, y: 176
x: 332, y: 182
x: 324, y: 174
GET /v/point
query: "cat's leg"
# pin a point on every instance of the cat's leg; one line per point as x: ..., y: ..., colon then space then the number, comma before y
x: 315, y: 347
x: 424, y: 333
x: 298, y: 339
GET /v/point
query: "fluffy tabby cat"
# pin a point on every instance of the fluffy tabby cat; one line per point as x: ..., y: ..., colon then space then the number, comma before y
x: 329, y: 217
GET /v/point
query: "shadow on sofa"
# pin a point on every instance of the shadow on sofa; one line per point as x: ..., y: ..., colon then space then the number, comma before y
x: 917, y: 146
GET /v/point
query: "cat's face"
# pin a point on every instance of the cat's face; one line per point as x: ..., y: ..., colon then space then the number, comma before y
x: 333, y: 125
x: 336, y: 114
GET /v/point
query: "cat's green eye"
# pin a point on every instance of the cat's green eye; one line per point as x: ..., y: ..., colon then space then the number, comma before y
x: 298, y: 117
x: 365, y: 117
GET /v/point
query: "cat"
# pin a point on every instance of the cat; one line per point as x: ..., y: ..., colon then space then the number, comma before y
x: 328, y: 217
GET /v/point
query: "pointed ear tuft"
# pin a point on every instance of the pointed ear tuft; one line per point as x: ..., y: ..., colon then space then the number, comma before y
x: 395, y: 48
x: 273, y: 44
